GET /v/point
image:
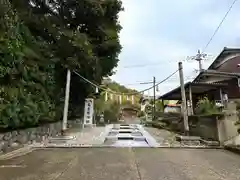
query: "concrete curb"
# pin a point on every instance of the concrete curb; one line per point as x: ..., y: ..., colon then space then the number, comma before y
x: 150, y: 140
x: 47, y: 146
x: 233, y: 149
x: 19, y: 152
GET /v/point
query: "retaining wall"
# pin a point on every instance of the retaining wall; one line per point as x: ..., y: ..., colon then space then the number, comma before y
x: 18, y: 138
x: 204, y: 126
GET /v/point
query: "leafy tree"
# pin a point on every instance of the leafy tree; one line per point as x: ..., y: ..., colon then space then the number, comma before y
x: 26, y: 78
x: 39, y: 41
x: 82, y: 35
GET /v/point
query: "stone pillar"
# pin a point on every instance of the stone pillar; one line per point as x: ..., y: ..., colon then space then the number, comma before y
x: 227, y: 130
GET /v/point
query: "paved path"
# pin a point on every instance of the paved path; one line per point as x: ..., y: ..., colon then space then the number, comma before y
x: 88, y: 136
x: 122, y: 164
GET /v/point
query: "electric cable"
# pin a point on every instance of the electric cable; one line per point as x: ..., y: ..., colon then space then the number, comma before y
x: 219, y: 26
x: 119, y: 93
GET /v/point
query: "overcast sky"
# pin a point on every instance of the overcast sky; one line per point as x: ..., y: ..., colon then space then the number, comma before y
x: 164, y: 32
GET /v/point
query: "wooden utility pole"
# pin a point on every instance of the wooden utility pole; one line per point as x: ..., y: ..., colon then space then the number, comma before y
x: 154, y: 98
x: 184, y: 102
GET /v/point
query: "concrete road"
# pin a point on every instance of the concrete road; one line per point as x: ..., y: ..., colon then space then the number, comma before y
x: 122, y: 164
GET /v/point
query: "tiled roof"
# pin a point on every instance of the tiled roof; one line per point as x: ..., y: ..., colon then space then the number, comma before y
x: 224, y: 52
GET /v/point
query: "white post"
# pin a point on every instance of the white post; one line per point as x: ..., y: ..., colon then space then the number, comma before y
x: 120, y: 99
x: 132, y: 99
x: 66, y: 102
x: 106, y: 96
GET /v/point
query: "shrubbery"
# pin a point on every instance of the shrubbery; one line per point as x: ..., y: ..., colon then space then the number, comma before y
x: 205, y: 107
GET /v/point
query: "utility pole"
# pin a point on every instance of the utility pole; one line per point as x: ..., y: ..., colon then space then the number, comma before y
x: 184, y: 102
x: 66, y: 102
x: 199, y: 57
x: 154, y: 98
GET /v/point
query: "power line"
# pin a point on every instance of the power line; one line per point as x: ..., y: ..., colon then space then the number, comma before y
x: 158, y: 83
x: 144, y: 65
x: 139, y: 83
x: 143, y: 83
x: 201, y: 55
x: 220, y: 24
x: 140, y: 65
x: 119, y: 93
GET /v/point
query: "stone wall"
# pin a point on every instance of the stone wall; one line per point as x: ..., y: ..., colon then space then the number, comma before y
x: 204, y: 126
x: 227, y: 126
x: 219, y: 127
x: 174, y: 121
x: 18, y: 138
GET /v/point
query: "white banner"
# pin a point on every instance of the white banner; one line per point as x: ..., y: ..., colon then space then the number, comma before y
x: 88, y: 111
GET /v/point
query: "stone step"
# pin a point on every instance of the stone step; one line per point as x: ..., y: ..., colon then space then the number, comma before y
x: 63, y: 138
x: 188, y: 138
x: 210, y: 143
x: 191, y: 143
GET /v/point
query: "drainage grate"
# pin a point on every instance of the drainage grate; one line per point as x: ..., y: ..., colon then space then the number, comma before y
x: 126, y: 138
x: 125, y: 128
x: 124, y: 132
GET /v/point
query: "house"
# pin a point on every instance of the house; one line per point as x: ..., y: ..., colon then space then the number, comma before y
x: 225, y: 69
x: 221, y: 77
x: 173, y: 108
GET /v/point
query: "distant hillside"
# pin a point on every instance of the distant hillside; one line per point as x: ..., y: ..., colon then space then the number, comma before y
x: 119, y: 88
x: 111, y: 107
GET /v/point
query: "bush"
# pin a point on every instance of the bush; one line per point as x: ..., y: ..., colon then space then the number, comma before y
x: 205, y: 106
x: 111, y: 112
x: 141, y: 114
